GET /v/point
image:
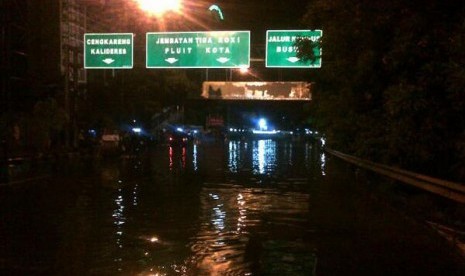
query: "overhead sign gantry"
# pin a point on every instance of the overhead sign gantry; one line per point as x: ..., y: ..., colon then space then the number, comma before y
x: 215, y: 49
x: 108, y: 50
x: 281, y: 48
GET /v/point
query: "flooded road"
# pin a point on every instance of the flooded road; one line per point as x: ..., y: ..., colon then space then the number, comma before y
x: 258, y: 207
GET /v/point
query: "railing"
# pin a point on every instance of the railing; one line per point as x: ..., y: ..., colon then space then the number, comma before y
x: 451, y: 190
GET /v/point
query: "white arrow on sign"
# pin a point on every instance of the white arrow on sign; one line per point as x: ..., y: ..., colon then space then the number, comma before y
x: 108, y: 60
x: 171, y: 60
x: 223, y: 59
x: 293, y: 59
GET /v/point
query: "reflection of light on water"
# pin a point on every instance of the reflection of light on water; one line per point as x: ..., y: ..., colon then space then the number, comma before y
x: 234, y: 153
x: 118, y: 221
x: 242, y: 213
x: 323, y: 163
x: 308, y: 149
x: 289, y: 152
x: 179, y: 269
x: 171, y: 157
x: 219, y: 246
x: 118, y: 215
x: 176, y: 160
x: 134, y: 193
x: 183, y: 157
x: 229, y: 214
x: 218, y: 214
x: 261, y: 156
x: 194, y: 158
x: 264, y: 155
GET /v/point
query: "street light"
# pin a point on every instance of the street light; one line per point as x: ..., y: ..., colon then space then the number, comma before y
x: 159, y: 7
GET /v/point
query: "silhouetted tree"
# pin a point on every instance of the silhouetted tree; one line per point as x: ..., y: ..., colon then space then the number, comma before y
x: 391, y: 85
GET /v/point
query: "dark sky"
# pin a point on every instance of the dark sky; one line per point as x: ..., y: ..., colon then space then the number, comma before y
x: 261, y: 15
x: 254, y: 15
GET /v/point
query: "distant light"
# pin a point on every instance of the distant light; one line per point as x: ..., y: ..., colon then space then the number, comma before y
x: 262, y: 124
x: 159, y: 7
x: 136, y: 130
x: 271, y: 132
x: 180, y: 129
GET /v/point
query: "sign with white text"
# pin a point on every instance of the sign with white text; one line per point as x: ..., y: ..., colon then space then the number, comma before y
x: 281, y: 50
x: 216, y: 49
x: 108, y: 50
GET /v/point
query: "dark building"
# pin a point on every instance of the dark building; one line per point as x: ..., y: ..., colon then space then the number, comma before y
x: 41, y: 60
x: 14, y: 55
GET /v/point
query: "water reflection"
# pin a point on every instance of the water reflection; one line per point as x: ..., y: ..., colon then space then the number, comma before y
x: 252, y: 223
x: 219, y: 246
x: 194, y: 157
x: 234, y: 160
x: 135, y: 194
x: 170, y: 152
x: 119, y: 219
x: 177, y: 158
x: 183, y: 157
x: 237, y: 222
x: 264, y: 156
x: 242, y: 213
x: 323, y: 163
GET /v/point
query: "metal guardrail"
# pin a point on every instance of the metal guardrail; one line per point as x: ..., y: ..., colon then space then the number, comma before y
x: 447, y: 189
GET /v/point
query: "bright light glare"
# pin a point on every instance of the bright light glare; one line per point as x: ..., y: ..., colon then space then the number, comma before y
x: 272, y: 132
x: 244, y: 70
x: 262, y: 124
x: 159, y: 7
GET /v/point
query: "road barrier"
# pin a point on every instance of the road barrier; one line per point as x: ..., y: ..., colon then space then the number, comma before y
x: 448, y: 189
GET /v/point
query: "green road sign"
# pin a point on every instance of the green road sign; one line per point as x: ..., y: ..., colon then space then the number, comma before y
x: 219, y: 49
x: 282, y: 52
x: 103, y: 51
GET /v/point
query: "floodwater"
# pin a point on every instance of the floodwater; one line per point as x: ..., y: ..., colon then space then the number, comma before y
x: 259, y: 207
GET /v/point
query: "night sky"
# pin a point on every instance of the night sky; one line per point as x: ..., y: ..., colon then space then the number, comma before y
x: 261, y: 15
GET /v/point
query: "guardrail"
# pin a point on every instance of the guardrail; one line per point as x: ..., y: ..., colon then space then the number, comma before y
x: 448, y: 189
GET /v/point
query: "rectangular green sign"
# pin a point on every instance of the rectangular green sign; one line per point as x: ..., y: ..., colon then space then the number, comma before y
x: 215, y: 49
x: 282, y: 52
x: 106, y: 51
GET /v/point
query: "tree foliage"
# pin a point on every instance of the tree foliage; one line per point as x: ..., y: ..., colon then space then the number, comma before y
x: 391, y: 88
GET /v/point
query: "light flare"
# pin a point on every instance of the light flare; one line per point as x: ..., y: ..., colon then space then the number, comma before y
x: 159, y: 7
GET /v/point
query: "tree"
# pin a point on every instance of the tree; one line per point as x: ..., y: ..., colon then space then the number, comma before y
x: 391, y: 85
